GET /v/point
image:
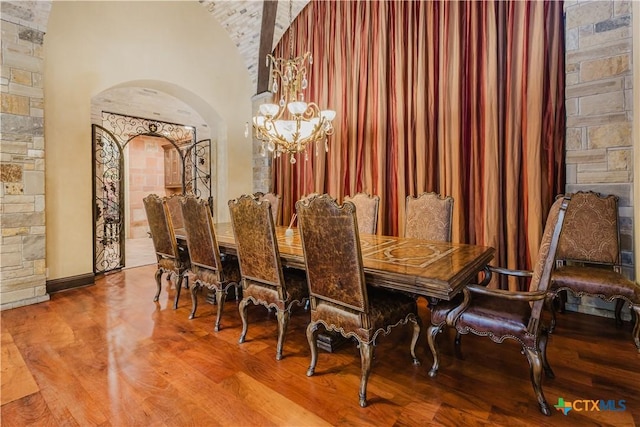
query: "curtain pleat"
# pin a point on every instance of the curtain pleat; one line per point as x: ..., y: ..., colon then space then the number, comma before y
x: 462, y: 98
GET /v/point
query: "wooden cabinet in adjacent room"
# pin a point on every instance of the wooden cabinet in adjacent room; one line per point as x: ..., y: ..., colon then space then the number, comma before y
x: 172, y: 167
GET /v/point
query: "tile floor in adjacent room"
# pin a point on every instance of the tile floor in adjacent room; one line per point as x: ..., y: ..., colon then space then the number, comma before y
x: 139, y: 252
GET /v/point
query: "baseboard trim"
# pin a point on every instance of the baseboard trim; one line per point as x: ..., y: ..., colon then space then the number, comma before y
x: 67, y: 283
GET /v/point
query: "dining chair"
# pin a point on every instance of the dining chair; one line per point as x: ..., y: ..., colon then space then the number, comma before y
x: 429, y: 217
x: 171, y: 259
x: 208, y: 267
x: 502, y: 314
x: 175, y: 212
x: 588, y: 258
x: 264, y: 281
x: 366, y: 211
x: 340, y: 299
x: 275, y: 200
x: 309, y: 196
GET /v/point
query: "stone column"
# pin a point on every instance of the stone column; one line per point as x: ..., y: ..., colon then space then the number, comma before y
x: 599, y: 92
x: 22, y: 201
x: 262, y: 165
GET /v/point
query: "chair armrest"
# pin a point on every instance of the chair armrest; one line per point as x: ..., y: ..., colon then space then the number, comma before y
x: 488, y: 271
x: 506, y: 294
x: 453, y: 315
x: 510, y: 272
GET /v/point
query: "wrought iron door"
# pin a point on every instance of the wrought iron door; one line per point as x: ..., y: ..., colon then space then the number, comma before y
x: 197, y: 160
x: 108, y: 175
x: 108, y: 201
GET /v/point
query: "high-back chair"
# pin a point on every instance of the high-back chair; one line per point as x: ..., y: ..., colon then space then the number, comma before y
x: 309, y: 196
x: 263, y: 279
x: 501, y: 314
x: 366, y: 211
x: 340, y: 299
x: 275, y: 200
x: 171, y: 259
x: 588, y: 258
x: 208, y: 267
x: 175, y: 212
x: 429, y: 217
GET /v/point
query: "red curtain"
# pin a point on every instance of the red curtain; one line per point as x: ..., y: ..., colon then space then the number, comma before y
x: 462, y: 98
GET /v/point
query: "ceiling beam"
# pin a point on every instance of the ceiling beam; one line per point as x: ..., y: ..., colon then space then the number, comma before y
x: 269, y: 11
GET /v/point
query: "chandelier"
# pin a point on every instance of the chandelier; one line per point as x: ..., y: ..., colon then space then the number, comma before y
x: 290, y: 126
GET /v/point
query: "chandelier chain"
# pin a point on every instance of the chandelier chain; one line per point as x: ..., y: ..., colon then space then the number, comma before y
x: 290, y: 29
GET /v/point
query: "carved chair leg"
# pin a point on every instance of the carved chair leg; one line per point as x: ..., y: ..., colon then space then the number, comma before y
x: 457, y: 345
x: 366, y: 355
x: 458, y: 339
x: 283, y: 322
x: 194, y: 300
x: 178, y: 288
x: 550, y: 301
x: 544, y: 338
x: 414, y: 340
x: 221, y: 296
x: 312, y: 335
x: 563, y: 301
x: 243, y: 315
x: 535, y: 370
x: 158, y: 284
x: 618, y: 312
x: 432, y: 335
x: 636, y: 328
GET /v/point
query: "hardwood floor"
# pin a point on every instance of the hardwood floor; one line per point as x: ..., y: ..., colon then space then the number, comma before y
x: 109, y: 355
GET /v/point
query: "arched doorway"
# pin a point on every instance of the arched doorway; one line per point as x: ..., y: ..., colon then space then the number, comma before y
x: 188, y: 158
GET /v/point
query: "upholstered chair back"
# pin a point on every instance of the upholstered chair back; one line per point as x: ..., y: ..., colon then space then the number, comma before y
x: 201, y: 236
x: 160, y: 227
x: 336, y: 275
x: 309, y: 196
x: 429, y: 217
x: 590, y: 232
x: 366, y: 211
x: 275, y: 200
x: 254, y: 229
x: 175, y: 211
x: 543, y: 267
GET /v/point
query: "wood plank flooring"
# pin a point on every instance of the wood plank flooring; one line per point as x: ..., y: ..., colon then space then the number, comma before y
x: 108, y: 355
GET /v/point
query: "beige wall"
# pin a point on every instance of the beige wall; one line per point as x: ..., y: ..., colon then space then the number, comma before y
x: 175, y: 47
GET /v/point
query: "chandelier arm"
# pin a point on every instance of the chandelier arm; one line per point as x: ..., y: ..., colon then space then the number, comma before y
x: 270, y: 131
x: 315, y: 135
x: 312, y: 111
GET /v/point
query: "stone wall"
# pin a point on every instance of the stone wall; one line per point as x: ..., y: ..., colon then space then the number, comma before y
x: 261, y: 161
x: 22, y: 219
x: 599, y: 90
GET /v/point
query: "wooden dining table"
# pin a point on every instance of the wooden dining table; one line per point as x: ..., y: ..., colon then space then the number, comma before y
x: 434, y: 270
